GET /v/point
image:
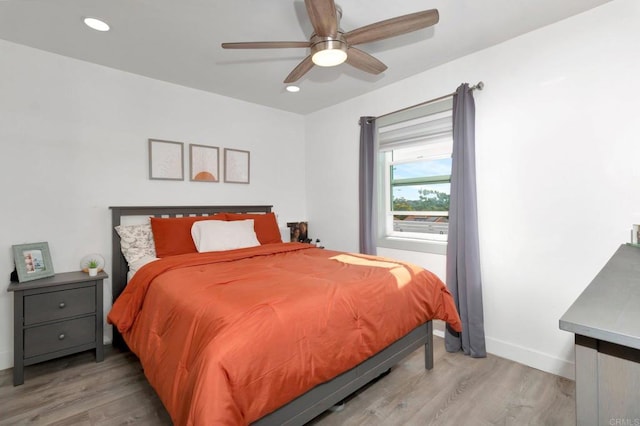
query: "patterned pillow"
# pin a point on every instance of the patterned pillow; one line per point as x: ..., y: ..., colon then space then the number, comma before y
x: 136, y: 242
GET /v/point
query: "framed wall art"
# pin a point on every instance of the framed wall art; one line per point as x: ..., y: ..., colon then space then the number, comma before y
x: 236, y: 166
x: 299, y: 232
x: 33, y: 261
x: 204, y: 163
x: 166, y: 160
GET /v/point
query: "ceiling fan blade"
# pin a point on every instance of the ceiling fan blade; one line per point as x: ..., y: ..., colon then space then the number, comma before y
x: 265, y: 45
x: 302, y: 68
x: 323, y: 16
x: 392, y: 27
x: 363, y: 61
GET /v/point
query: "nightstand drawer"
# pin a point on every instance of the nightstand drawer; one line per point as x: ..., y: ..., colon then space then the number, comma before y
x: 59, y: 304
x: 58, y: 336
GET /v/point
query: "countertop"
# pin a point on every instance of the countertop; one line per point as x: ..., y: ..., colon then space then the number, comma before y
x: 609, y: 308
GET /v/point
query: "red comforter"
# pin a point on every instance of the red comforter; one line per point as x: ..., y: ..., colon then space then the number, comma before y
x: 228, y: 337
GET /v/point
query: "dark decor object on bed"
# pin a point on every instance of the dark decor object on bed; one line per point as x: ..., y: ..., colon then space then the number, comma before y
x: 182, y: 297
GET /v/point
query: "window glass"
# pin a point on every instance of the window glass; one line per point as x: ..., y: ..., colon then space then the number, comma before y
x: 414, y: 183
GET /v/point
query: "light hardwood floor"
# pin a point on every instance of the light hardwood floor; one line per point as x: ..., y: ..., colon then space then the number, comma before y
x: 458, y: 391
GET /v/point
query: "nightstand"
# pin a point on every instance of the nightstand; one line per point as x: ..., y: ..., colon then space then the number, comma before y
x: 54, y: 317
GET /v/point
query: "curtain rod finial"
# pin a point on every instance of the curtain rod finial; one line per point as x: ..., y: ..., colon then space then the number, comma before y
x: 480, y: 85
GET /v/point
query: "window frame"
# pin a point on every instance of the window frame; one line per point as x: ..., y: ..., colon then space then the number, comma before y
x: 384, y: 185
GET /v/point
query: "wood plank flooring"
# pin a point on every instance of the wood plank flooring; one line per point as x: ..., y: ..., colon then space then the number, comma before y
x: 75, y: 390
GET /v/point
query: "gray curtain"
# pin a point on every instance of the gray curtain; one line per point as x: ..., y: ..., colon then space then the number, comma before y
x: 367, y: 166
x: 463, y: 253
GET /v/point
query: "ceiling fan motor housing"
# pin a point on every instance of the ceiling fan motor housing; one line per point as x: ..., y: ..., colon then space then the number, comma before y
x: 328, y: 51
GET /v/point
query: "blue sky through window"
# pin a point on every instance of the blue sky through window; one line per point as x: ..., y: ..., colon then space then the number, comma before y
x: 417, y: 169
x: 426, y: 168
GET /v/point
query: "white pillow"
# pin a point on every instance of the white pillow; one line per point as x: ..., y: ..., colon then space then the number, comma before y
x: 134, y: 266
x: 219, y: 235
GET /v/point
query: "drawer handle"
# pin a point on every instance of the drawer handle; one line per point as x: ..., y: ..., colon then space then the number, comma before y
x: 61, y: 336
x: 62, y: 305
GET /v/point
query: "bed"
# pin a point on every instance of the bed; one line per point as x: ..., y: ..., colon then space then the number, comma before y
x: 326, y: 383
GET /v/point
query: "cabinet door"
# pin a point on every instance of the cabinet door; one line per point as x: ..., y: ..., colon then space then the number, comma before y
x: 618, y: 390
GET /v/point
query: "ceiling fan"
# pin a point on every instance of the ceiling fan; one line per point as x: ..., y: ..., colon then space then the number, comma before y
x: 330, y: 46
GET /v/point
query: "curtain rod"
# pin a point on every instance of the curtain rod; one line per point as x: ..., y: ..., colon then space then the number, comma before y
x: 478, y: 86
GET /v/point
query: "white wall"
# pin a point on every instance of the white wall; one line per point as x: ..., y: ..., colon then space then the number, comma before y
x: 73, y: 141
x: 557, y: 163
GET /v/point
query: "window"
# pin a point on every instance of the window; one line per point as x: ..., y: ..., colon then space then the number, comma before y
x: 414, y: 177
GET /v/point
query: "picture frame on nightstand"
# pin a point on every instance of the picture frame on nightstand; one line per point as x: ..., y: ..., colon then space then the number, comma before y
x: 299, y: 232
x: 33, y: 261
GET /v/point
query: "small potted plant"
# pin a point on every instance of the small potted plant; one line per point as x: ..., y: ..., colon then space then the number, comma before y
x: 93, y: 267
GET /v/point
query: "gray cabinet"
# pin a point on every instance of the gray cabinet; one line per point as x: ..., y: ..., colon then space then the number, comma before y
x: 56, y: 316
x: 606, y: 321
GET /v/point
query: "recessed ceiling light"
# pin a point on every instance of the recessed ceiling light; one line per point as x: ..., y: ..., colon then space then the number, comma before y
x: 96, y: 24
x: 293, y: 89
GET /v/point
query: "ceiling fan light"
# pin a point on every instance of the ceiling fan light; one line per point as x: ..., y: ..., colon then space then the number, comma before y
x: 328, y: 52
x: 329, y: 57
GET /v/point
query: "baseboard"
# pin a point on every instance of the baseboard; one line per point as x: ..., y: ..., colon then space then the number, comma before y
x: 531, y: 357
x: 522, y: 355
x: 6, y: 360
x: 438, y: 328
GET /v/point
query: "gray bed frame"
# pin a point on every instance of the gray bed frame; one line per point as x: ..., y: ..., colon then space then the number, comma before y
x: 317, y: 400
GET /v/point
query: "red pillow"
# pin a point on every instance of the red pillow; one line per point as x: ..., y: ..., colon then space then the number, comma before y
x: 172, y: 235
x: 265, y: 225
